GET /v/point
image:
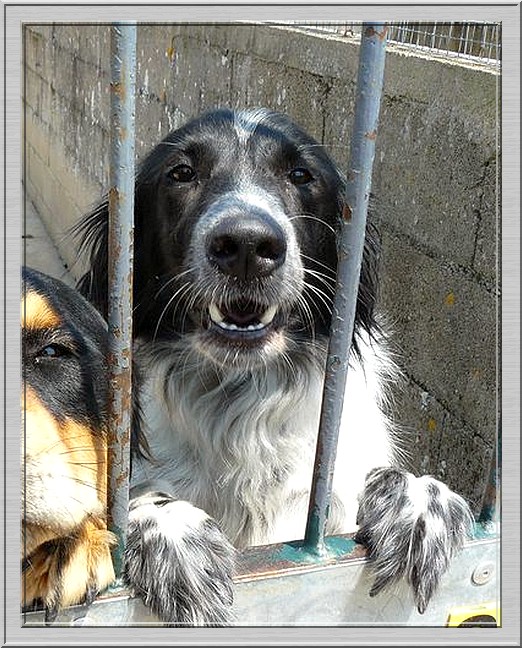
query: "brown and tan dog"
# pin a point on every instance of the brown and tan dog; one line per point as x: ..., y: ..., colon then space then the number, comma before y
x: 66, y: 547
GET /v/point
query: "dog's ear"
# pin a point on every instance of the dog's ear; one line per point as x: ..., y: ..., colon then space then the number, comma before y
x: 93, y: 235
x: 369, y: 279
x: 139, y: 444
x: 365, y: 314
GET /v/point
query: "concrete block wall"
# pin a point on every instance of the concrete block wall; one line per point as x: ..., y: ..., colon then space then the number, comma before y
x: 435, y: 186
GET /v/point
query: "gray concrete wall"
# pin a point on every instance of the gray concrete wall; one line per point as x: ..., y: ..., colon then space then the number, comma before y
x: 435, y: 184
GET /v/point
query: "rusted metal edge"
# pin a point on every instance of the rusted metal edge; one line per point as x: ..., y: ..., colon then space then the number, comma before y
x: 291, y: 557
x: 275, y: 561
x: 350, y: 252
x: 120, y: 260
x: 490, y: 503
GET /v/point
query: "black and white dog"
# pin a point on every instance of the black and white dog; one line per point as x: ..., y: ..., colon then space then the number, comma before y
x: 236, y: 216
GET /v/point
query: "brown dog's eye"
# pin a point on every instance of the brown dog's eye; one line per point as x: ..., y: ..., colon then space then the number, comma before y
x: 52, y: 352
x: 182, y: 173
x: 300, y: 176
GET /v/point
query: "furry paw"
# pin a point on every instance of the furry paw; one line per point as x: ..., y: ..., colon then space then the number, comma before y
x: 68, y: 570
x: 178, y: 561
x: 412, y: 527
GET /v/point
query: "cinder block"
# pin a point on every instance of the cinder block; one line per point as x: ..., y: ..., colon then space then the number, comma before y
x: 32, y: 90
x: 35, y: 50
x: 441, y: 444
x: 36, y: 170
x: 488, y: 240
x: 69, y: 173
x: 261, y: 83
x: 427, y: 178
x: 340, y: 109
x: 37, y: 135
x: 41, y: 29
x: 200, y: 76
x: 445, y: 327
x: 92, y: 43
x: 92, y: 88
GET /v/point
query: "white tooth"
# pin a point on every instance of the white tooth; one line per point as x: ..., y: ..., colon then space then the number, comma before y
x: 267, y: 317
x: 215, y: 314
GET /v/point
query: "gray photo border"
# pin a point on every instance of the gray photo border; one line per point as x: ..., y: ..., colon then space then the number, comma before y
x: 14, y: 16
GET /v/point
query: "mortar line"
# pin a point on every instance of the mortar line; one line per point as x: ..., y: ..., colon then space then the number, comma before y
x: 448, y: 408
x: 466, y: 272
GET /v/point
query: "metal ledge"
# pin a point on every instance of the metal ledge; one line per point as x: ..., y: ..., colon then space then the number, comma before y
x: 285, y: 585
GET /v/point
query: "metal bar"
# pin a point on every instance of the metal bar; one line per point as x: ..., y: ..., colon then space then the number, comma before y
x: 489, y: 513
x: 350, y: 251
x: 273, y: 588
x: 121, y: 217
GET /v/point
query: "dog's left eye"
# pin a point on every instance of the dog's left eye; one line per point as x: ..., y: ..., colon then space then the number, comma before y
x: 182, y: 173
x: 52, y: 352
x: 300, y: 176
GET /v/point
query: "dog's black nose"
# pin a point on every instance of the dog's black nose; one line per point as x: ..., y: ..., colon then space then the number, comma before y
x: 247, y: 246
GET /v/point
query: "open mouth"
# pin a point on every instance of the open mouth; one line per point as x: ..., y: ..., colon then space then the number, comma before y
x: 242, y: 319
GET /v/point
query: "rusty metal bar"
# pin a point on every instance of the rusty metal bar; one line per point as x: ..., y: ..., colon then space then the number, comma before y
x: 489, y: 512
x: 121, y: 220
x: 350, y: 250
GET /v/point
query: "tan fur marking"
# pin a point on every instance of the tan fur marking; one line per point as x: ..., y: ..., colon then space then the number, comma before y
x: 87, y: 564
x: 72, y: 453
x: 89, y: 456
x: 65, y: 493
x: 36, y: 313
x: 65, y: 471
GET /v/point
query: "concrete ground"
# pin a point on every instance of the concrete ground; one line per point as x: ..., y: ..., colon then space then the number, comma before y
x: 40, y: 251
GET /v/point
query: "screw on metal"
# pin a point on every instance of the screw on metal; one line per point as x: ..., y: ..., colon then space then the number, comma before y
x: 483, y: 573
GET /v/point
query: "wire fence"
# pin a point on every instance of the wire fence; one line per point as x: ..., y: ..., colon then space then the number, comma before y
x: 472, y: 41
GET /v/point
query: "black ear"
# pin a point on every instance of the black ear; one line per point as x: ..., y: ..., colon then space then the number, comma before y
x: 368, y: 283
x: 365, y: 313
x: 365, y: 320
x: 93, y: 233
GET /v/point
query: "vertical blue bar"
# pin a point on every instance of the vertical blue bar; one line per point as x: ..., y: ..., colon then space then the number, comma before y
x: 490, y: 512
x: 350, y: 251
x: 121, y: 223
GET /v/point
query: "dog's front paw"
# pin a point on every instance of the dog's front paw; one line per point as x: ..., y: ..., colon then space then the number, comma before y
x: 412, y: 527
x: 178, y: 561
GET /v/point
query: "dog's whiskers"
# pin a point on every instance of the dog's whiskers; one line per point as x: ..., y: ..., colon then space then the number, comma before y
x: 316, y: 219
x: 184, y: 288
x: 330, y: 270
x: 326, y: 300
x: 325, y: 281
x: 173, y: 279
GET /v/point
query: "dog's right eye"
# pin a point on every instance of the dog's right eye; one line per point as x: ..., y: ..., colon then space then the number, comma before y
x: 52, y: 352
x: 182, y: 173
x: 300, y: 176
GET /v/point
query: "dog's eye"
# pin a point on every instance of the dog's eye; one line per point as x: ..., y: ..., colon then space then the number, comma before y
x: 300, y: 176
x: 52, y: 352
x: 182, y: 173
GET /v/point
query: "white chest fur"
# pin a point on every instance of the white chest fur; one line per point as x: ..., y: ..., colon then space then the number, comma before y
x: 242, y: 447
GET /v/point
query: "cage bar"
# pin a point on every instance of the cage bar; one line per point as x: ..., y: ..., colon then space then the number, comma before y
x: 350, y: 251
x: 490, y: 512
x: 120, y: 258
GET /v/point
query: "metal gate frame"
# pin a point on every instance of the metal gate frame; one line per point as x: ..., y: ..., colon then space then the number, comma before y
x: 280, y: 584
